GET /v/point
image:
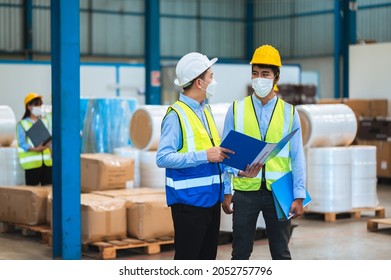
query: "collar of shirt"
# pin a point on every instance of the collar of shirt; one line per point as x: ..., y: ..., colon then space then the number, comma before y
x: 269, y: 104
x: 192, y: 103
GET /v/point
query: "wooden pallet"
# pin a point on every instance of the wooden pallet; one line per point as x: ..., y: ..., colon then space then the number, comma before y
x: 29, y: 230
x: 355, y: 213
x: 373, y: 224
x: 108, y: 249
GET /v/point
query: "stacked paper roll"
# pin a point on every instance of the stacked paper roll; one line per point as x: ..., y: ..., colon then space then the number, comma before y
x: 133, y: 153
x: 7, y: 126
x: 151, y: 176
x: 328, y: 179
x: 327, y: 125
x: 219, y: 111
x: 145, y: 126
x: 364, y: 177
x: 11, y: 173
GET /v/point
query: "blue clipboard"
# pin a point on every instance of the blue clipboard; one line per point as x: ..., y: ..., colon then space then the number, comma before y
x: 282, y: 191
x: 249, y: 150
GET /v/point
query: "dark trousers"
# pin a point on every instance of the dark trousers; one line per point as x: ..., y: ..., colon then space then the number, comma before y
x: 247, y: 206
x: 196, y: 231
x: 39, y: 176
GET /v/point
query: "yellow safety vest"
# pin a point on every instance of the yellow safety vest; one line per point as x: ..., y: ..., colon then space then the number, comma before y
x: 33, y: 159
x: 280, y: 125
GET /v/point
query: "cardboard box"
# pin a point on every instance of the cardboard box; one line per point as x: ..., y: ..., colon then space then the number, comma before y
x: 148, y: 216
x: 360, y: 107
x: 330, y: 101
x: 105, y: 172
x: 378, y: 108
x: 23, y: 204
x: 103, y: 218
x: 130, y: 192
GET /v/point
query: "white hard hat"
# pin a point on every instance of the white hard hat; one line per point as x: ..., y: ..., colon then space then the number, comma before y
x: 190, y: 67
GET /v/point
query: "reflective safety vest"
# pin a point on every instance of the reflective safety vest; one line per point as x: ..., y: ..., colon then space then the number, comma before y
x: 245, y: 121
x: 200, y: 185
x: 33, y: 159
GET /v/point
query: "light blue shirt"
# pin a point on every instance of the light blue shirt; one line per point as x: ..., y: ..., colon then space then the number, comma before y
x: 171, y: 139
x: 264, y: 114
x: 22, y: 138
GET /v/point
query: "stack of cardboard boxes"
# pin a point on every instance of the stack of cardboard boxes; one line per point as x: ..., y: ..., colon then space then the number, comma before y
x: 374, y: 128
x: 109, y: 210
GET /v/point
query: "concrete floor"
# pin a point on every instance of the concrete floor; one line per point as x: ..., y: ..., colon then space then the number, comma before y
x: 313, y: 239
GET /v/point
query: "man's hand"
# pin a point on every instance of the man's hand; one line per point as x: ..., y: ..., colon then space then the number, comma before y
x: 227, y: 204
x: 217, y: 154
x: 296, y: 208
x: 251, y: 171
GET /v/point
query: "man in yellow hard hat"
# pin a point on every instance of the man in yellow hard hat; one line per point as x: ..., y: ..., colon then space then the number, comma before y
x: 264, y: 116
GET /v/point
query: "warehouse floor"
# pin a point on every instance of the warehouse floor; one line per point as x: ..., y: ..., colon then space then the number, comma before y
x: 347, y: 238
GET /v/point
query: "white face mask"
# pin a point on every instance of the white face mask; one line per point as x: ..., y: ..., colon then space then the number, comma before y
x: 36, y: 111
x: 262, y: 86
x: 211, y: 88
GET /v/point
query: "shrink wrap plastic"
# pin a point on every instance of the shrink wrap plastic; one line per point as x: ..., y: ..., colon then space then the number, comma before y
x: 11, y: 173
x: 364, y: 177
x: 106, y: 124
x: 151, y: 176
x: 329, y: 179
x: 7, y: 126
x: 327, y: 125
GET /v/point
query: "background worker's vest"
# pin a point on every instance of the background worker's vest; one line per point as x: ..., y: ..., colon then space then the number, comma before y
x: 280, y: 125
x: 32, y: 159
x: 199, y: 185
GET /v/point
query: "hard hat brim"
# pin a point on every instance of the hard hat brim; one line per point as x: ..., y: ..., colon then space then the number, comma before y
x: 208, y: 65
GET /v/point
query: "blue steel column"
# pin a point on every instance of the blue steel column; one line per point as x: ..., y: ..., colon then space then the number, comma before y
x: 28, y: 28
x: 65, y: 46
x: 249, y: 25
x: 350, y: 29
x: 152, y: 53
x: 337, y: 48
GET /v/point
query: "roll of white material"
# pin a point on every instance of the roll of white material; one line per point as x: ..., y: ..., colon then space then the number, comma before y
x: 151, y: 176
x: 219, y: 111
x: 133, y: 153
x: 145, y: 126
x: 7, y: 126
x: 327, y: 125
x: 329, y: 180
x: 364, y: 176
x: 11, y: 173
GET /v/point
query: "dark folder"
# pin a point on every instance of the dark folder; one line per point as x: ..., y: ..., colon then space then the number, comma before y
x: 39, y: 134
x: 249, y: 150
x: 282, y: 191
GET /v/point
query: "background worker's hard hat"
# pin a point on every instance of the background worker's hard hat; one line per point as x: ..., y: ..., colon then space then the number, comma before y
x: 190, y: 67
x: 30, y: 96
x: 266, y: 54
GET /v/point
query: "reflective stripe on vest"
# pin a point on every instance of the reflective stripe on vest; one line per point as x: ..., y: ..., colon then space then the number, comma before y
x: 280, y: 125
x: 199, y: 185
x: 32, y: 159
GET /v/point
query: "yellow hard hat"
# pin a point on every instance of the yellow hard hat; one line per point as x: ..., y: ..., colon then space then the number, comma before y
x: 30, y: 96
x: 266, y: 54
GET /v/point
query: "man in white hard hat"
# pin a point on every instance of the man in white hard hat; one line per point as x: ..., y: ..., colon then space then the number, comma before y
x: 189, y: 150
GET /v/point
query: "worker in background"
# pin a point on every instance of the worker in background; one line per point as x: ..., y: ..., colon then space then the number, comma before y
x: 264, y: 116
x: 189, y: 150
x: 36, y: 161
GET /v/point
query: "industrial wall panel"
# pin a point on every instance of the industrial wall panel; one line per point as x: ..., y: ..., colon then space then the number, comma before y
x: 11, y: 26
